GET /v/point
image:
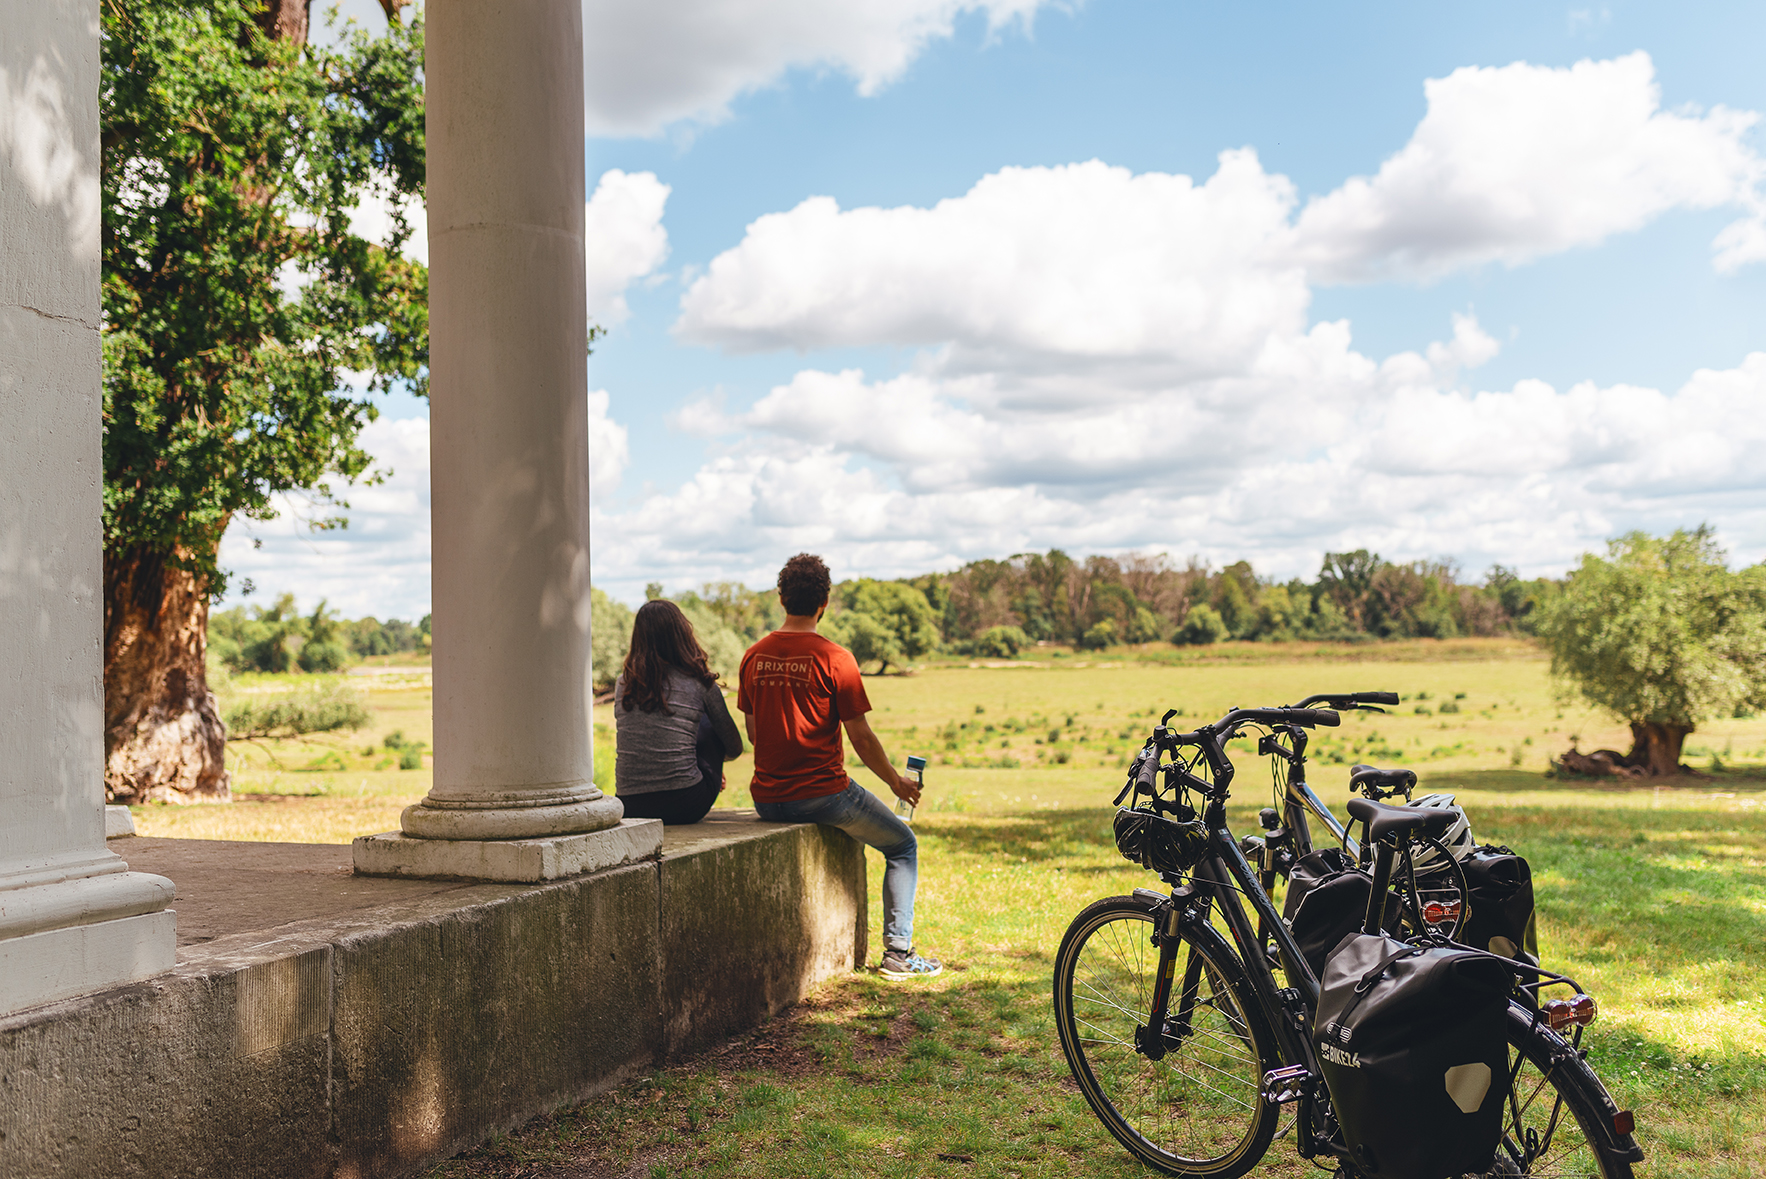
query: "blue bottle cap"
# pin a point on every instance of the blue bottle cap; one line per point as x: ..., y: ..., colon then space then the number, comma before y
x: 916, y: 762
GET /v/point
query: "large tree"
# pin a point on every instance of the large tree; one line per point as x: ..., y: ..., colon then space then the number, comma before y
x: 236, y: 300
x: 1662, y: 634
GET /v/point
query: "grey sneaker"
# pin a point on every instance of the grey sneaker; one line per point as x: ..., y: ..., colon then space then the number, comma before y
x: 900, y: 964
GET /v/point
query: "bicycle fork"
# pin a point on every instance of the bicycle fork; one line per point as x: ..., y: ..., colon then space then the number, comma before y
x: 1165, y: 1031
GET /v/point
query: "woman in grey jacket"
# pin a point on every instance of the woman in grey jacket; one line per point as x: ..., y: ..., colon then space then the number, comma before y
x: 674, y: 728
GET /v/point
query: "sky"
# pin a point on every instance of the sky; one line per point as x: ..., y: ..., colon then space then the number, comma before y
x: 910, y: 283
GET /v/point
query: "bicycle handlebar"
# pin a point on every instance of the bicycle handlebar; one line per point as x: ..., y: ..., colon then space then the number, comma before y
x: 1149, y: 771
x: 1305, y: 717
x: 1349, y: 699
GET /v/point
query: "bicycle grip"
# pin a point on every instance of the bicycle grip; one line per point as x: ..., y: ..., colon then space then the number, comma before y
x: 1376, y: 697
x: 1149, y: 771
x: 1316, y: 716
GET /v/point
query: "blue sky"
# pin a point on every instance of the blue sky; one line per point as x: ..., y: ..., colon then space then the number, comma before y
x: 984, y: 342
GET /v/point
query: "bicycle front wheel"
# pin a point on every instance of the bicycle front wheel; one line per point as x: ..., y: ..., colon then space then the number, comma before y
x: 1199, y: 1110
x: 1553, y: 1118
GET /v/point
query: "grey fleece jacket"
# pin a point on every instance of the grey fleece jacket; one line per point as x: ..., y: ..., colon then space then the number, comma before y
x: 657, y: 749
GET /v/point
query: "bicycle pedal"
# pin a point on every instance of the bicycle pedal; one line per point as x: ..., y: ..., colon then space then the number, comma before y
x: 1282, y: 1085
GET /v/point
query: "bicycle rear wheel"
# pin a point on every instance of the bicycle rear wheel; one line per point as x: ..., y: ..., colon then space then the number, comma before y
x: 1555, y: 1111
x: 1199, y: 1110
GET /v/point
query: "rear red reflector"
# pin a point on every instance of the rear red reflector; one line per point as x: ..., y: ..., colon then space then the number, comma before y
x: 1624, y: 1123
x: 1561, y: 1013
x: 1440, y: 912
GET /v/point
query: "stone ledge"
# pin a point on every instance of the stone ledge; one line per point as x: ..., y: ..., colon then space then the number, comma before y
x: 526, y: 861
x: 366, y: 1026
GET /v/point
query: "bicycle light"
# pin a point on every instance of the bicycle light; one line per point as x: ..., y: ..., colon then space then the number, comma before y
x: 1440, y: 912
x: 1561, y: 1013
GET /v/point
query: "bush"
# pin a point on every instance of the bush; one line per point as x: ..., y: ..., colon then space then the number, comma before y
x: 610, y: 636
x: 320, y: 657
x: 1102, y: 634
x: 868, y: 639
x: 1001, y: 642
x: 1201, y: 626
x: 323, y: 708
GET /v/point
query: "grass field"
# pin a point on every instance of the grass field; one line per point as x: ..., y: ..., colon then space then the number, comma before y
x: 1654, y: 897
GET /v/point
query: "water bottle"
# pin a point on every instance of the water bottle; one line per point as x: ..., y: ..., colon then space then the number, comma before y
x: 917, y: 771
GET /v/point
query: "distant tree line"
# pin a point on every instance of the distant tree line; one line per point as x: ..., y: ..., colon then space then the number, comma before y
x: 990, y: 607
x: 279, y: 638
x: 998, y: 608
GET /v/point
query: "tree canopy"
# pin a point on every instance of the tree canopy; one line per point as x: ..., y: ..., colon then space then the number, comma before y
x: 1662, y: 634
x: 239, y: 303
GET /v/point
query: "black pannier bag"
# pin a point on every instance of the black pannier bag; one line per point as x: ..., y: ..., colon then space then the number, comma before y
x: 1326, y: 901
x: 1501, y: 920
x: 1413, y: 1042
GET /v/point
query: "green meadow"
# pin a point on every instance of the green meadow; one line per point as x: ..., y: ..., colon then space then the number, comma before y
x: 1653, y: 896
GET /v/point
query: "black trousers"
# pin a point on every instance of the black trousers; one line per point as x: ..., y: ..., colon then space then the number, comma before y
x: 688, y: 804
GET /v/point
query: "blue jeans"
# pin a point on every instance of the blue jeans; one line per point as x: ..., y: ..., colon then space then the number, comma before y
x: 869, y: 820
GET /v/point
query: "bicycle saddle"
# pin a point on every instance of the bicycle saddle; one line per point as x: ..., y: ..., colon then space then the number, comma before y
x: 1384, y: 780
x: 1384, y: 819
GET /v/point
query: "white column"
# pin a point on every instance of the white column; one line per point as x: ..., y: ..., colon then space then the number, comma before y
x: 509, y: 456
x: 73, y: 918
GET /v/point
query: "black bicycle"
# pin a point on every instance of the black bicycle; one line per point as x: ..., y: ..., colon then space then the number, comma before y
x: 1188, y: 1047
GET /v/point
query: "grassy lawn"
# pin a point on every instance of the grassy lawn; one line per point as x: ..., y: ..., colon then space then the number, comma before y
x: 1654, y: 897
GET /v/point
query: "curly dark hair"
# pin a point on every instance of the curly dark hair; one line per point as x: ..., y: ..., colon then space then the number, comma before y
x: 803, y: 584
x: 662, y: 640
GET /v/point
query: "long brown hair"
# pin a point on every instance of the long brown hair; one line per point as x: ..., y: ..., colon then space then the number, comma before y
x: 662, y: 640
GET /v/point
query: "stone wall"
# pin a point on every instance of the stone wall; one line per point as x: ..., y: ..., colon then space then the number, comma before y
x: 376, y: 1043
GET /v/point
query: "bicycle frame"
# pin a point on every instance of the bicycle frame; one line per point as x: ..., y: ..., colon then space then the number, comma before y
x: 1216, y: 883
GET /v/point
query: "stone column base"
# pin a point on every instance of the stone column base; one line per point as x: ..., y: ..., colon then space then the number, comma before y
x: 59, y: 963
x: 520, y: 861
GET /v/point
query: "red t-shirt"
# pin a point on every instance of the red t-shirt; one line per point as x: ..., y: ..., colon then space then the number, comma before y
x: 799, y: 687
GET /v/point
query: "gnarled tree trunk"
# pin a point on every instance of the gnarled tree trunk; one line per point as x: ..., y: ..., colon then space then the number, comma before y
x: 163, y: 736
x: 1656, y: 747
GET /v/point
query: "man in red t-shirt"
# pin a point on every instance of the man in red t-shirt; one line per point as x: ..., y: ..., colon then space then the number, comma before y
x: 796, y: 691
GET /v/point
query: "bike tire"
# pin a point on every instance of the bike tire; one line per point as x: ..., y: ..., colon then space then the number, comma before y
x: 1198, y: 1112
x: 1559, y: 1098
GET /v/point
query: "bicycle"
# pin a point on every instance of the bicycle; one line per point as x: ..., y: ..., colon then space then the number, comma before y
x: 1287, y: 835
x: 1195, y: 1087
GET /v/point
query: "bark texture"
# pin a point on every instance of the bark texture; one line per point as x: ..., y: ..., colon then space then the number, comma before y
x: 1655, y: 753
x: 286, y: 20
x: 163, y: 736
x: 1656, y: 748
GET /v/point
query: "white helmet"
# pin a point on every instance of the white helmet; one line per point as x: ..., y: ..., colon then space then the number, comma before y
x: 1457, y: 839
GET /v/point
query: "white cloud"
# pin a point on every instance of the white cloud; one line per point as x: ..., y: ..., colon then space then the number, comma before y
x: 1514, y: 163
x: 1033, y: 268
x: 649, y: 65
x: 907, y: 475
x: 608, y: 450
x: 372, y: 219
x: 378, y: 565
x: 623, y: 237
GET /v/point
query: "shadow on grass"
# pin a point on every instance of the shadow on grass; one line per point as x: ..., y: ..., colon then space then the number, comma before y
x: 1512, y: 781
x: 1033, y: 836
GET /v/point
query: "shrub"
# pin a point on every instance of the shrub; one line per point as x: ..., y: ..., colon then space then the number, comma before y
x: 1001, y: 642
x: 320, y: 657
x: 323, y: 708
x: 1100, y: 635
x: 1201, y: 626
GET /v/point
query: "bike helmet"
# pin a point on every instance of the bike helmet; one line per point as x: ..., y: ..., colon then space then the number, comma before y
x: 1457, y: 839
x: 1158, y: 843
